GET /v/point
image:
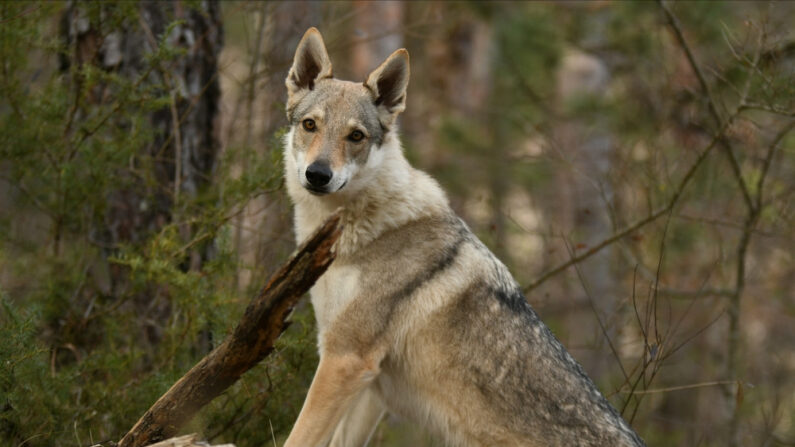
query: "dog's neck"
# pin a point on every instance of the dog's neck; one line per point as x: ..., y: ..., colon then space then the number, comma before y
x: 388, y: 193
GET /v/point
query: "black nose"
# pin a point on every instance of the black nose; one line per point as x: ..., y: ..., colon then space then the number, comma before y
x: 318, y: 174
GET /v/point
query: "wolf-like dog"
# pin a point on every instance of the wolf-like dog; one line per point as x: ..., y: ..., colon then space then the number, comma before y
x: 415, y: 316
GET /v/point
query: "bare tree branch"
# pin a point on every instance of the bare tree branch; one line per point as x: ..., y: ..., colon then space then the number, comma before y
x: 735, y: 298
x: 713, y: 109
x: 637, y: 225
x: 682, y: 387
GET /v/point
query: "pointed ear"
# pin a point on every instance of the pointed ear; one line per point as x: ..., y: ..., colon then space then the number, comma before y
x: 388, y: 84
x: 310, y: 64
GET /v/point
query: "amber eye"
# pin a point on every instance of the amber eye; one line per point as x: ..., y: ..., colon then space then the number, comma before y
x: 309, y: 125
x: 356, y: 136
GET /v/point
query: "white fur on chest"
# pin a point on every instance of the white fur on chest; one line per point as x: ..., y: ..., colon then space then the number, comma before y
x: 332, y: 293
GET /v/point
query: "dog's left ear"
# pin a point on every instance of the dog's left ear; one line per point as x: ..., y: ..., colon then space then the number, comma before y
x: 388, y: 84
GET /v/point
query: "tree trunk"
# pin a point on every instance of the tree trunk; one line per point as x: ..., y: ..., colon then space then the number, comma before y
x: 261, y: 227
x: 379, y: 26
x: 588, y: 148
x: 177, y: 164
x: 185, y: 142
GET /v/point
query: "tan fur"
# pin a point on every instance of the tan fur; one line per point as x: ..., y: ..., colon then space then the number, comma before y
x: 359, y: 422
x: 338, y: 380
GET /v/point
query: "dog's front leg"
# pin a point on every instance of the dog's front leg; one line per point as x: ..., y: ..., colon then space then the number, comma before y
x: 358, y: 423
x: 338, y: 380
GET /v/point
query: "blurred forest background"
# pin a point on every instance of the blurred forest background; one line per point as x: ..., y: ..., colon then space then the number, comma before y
x: 633, y: 163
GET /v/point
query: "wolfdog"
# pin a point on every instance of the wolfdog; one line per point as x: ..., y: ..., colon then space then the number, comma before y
x: 415, y: 316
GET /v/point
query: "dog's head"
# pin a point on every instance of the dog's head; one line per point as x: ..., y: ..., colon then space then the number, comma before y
x: 336, y: 125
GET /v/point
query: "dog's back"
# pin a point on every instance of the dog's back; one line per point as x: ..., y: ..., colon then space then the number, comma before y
x: 416, y: 315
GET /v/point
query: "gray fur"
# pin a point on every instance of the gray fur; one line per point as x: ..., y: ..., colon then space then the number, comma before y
x: 542, y: 392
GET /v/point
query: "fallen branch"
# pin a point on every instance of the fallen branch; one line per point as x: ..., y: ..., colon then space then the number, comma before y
x: 252, y: 340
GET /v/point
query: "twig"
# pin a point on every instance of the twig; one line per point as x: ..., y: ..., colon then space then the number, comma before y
x: 694, y: 294
x: 249, y: 97
x: 682, y: 387
x: 769, y: 109
x: 21, y: 14
x: 595, y: 311
x: 175, y: 123
x: 771, y: 152
x: 713, y: 110
x: 735, y: 299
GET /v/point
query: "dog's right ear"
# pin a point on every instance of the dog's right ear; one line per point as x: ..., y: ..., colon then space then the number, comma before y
x: 310, y: 64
